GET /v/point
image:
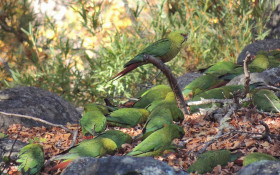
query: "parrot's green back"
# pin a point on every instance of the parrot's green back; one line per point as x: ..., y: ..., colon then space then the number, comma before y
x: 221, y: 68
x: 96, y: 147
x: 201, y: 84
x: 31, y: 158
x: 255, y: 157
x: 93, y: 107
x: 208, y: 160
x: 165, y: 49
x: 168, y: 103
x: 158, y: 92
x: 93, y: 122
x: 157, y: 119
x: 158, y: 141
x: 117, y: 136
x: 128, y: 117
x: 266, y: 100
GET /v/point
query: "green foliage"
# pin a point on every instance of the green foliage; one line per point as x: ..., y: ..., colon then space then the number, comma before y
x: 217, y: 31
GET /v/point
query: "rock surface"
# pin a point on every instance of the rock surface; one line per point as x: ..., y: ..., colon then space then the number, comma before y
x: 264, y: 167
x: 7, y: 144
x: 35, y: 102
x: 119, y: 165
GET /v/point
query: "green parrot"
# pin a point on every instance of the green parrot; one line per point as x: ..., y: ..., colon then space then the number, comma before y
x: 208, y: 160
x: 93, y: 106
x: 260, y: 100
x: 224, y: 92
x: 156, y: 93
x: 160, y: 140
x: 157, y: 120
x: 274, y: 58
x: 128, y: 117
x: 93, y: 121
x: 96, y: 147
x: 117, y: 136
x: 201, y: 84
x: 165, y: 50
x: 168, y: 103
x: 259, y: 64
x: 221, y: 68
x: 255, y: 157
x: 105, y: 143
x: 31, y: 159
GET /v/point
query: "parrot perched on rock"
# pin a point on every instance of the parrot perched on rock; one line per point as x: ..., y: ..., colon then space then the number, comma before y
x: 255, y: 157
x: 221, y: 68
x: 266, y: 100
x: 165, y: 50
x: 160, y: 140
x: 128, y: 117
x: 95, y: 147
x: 156, y: 93
x: 201, y: 84
x: 208, y: 160
x: 93, y: 120
x: 168, y: 103
x: 31, y: 159
x: 105, y: 143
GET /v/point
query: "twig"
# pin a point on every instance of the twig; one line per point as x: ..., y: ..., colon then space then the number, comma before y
x: 36, y: 119
x: 171, y: 79
x: 75, y: 134
x: 272, y: 103
x: 7, y: 67
x: 267, y: 134
x: 207, y: 101
x: 248, y: 58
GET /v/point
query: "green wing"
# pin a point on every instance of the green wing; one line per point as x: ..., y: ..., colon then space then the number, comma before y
x: 157, y: 49
x: 31, y: 158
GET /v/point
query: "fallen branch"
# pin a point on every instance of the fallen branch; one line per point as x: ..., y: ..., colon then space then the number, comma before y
x: 248, y: 58
x: 267, y: 134
x: 36, y: 119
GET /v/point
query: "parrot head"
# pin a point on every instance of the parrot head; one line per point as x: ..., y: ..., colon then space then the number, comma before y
x: 178, y: 36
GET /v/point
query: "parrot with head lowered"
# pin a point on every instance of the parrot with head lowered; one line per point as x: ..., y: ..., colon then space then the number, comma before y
x: 156, y: 93
x: 168, y: 103
x: 127, y: 117
x: 165, y: 50
x: 266, y: 100
x: 93, y: 121
x: 159, y: 141
x: 105, y: 143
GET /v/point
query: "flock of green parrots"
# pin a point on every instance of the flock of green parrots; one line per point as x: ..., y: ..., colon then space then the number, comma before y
x: 157, y: 110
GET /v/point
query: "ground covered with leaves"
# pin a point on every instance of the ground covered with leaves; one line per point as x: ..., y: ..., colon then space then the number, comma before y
x: 247, y: 133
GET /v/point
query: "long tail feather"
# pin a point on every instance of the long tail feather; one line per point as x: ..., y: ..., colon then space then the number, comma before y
x: 62, y: 165
x: 126, y: 70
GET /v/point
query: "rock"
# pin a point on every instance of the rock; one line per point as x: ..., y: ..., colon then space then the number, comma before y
x: 254, y: 48
x: 119, y: 165
x: 266, y: 167
x: 274, y: 24
x: 269, y: 77
x: 35, y: 102
x: 6, y: 145
x: 187, y: 78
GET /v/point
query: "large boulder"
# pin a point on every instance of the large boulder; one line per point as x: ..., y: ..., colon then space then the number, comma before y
x: 37, y: 103
x: 10, y: 147
x: 119, y: 165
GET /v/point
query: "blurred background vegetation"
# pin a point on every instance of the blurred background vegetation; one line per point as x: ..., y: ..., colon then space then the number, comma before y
x: 75, y: 52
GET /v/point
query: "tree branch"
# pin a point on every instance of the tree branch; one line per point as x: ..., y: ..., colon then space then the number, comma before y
x: 171, y: 79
